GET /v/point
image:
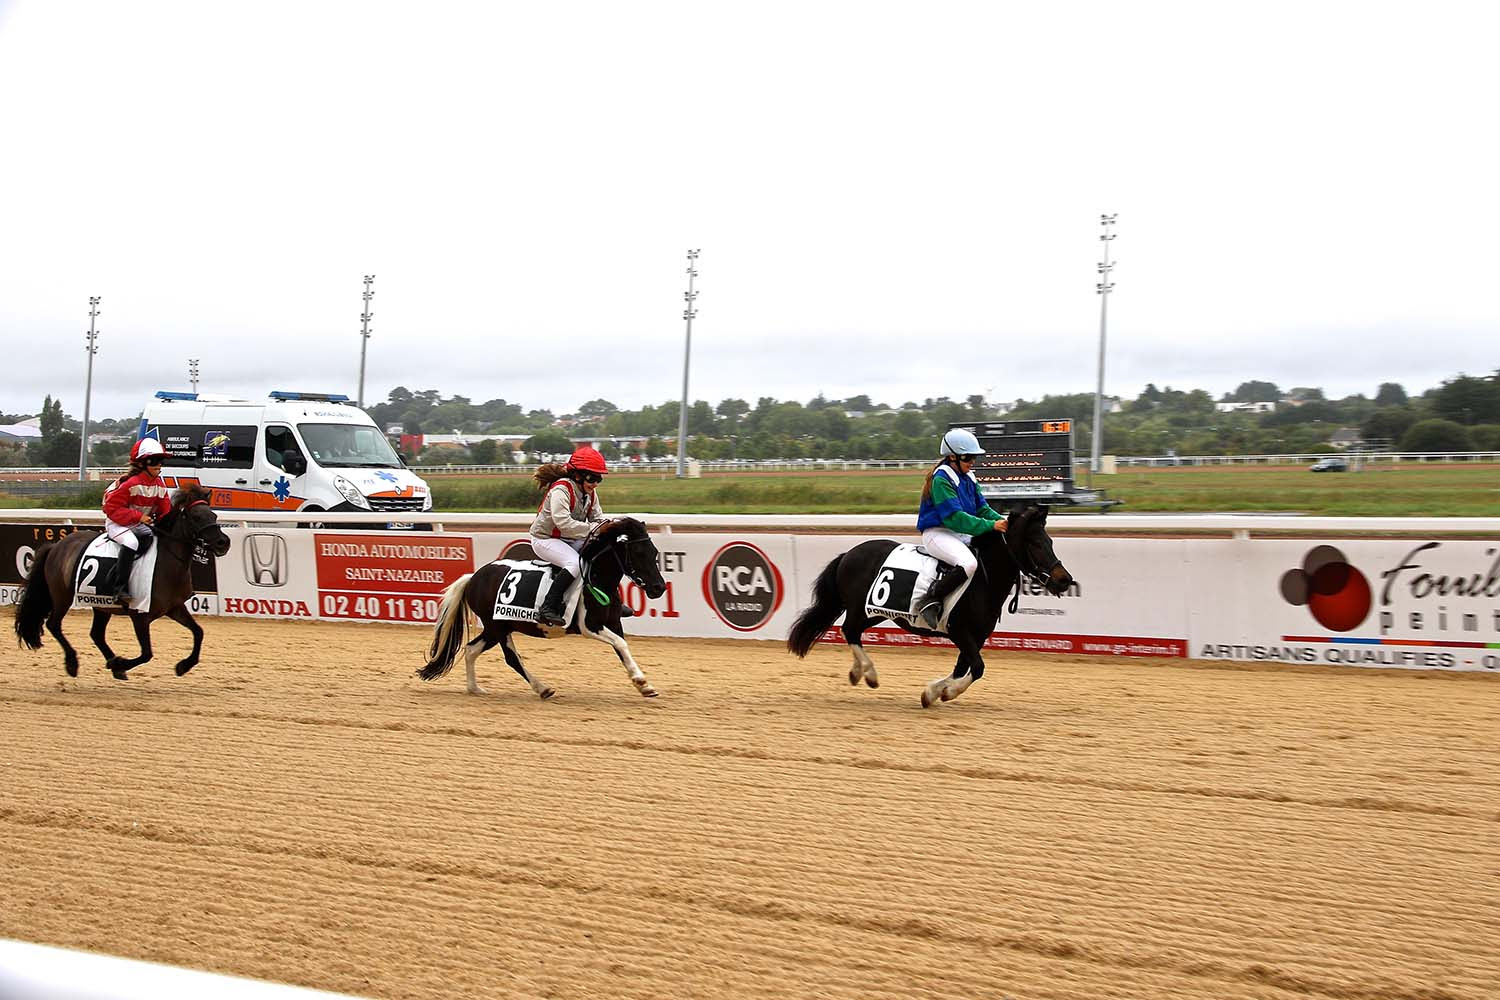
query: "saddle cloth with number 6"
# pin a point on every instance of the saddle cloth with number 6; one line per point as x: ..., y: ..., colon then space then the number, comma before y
x: 523, y: 590
x: 91, y: 587
x: 905, y: 576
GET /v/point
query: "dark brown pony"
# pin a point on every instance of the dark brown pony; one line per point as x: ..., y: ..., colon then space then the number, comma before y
x: 49, y: 587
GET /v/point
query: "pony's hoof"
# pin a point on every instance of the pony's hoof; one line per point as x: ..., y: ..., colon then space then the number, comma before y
x: 71, y: 667
x: 647, y: 691
x: 476, y: 689
x: 870, y: 679
x: 546, y: 693
x: 929, y: 696
x: 120, y: 673
x: 183, y: 667
x: 855, y: 675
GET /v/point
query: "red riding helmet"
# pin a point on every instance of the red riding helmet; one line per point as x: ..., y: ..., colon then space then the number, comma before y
x: 145, y: 448
x: 587, y: 459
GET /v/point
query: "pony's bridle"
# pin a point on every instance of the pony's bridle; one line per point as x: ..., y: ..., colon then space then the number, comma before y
x: 192, y: 541
x: 1027, y: 567
x: 626, y: 569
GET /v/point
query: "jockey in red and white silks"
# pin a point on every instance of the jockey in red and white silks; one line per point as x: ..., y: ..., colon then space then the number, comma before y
x: 567, y: 514
x: 131, y: 504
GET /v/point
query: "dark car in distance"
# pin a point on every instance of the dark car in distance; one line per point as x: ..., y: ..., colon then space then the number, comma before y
x: 1329, y: 465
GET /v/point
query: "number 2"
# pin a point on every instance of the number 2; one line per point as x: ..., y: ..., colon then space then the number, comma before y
x: 90, y: 570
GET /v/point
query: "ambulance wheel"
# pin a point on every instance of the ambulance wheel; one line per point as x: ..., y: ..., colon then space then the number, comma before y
x: 312, y: 524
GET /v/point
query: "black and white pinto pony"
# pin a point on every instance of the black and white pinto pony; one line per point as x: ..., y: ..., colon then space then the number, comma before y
x: 614, y: 550
x: 1023, y: 549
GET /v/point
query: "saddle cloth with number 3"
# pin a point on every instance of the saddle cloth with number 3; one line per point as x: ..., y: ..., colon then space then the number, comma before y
x: 91, y: 587
x: 906, y: 575
x: 523, y: 589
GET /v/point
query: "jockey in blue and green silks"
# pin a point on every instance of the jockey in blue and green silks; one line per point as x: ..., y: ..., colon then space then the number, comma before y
x: 952, y: 512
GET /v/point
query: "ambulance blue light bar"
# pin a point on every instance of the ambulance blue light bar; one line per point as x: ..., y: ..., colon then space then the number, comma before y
x: 309, y: 397
x: 163, y: 394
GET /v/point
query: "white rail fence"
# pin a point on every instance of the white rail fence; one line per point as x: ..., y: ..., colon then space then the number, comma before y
x: 669, y: 466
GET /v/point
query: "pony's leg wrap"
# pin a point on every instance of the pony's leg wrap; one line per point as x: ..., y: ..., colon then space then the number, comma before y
x: 622, y: 650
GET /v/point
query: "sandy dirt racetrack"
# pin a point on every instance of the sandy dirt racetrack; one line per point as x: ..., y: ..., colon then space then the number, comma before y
x: 302, y: 808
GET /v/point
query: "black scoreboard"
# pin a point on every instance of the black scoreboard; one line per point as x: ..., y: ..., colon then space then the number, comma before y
x: 1024, y: 458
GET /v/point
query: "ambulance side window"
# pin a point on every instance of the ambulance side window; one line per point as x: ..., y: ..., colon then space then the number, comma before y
x: 278, y: 439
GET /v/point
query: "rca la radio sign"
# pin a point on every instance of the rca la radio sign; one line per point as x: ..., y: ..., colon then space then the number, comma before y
x: 743, y: 586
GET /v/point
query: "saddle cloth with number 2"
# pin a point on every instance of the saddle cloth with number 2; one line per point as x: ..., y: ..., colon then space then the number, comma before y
x: 523, y: 589
x: 97, y: 565
x: 906, y: 575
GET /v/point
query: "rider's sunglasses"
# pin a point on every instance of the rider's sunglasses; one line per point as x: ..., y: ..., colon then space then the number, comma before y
x: 967, y: 458
x: 154, y: 460
x: 593, y: 477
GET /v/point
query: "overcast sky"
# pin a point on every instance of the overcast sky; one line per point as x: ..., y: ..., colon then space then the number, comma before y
x: 893, y: 199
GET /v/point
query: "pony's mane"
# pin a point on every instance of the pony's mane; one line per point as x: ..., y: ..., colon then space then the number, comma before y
x: 189, y: 494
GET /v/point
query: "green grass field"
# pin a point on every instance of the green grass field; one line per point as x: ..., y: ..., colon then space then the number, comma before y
x: 1387, y: 490
x: 1432, y: 490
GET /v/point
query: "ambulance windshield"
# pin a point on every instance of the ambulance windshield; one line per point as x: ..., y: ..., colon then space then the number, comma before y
x: 348, y: 446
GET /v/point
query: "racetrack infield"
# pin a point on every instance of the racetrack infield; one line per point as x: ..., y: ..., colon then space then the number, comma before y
x: 301, y: 808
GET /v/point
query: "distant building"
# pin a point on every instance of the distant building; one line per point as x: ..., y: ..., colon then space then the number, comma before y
x: 19, y: 432
x: 1345, y: 437
x: 1266, y: 407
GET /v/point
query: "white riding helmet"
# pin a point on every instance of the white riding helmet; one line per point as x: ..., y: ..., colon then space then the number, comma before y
x: 960, y: 442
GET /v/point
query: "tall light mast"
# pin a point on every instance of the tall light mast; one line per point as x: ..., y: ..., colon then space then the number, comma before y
x: 687, y: 352
x: 1103, y: 287
x: 91, y: 347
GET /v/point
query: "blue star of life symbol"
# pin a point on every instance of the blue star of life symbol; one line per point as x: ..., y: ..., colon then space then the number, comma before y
x: 282, y: 488
x: 388, y: 477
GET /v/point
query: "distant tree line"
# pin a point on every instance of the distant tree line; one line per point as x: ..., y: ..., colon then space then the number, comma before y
x: 1461, y: 414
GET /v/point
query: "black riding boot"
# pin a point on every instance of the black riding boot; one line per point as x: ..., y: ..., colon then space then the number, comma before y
x: 123, y: 562
x: 551, y: 612
x: 950, y: 578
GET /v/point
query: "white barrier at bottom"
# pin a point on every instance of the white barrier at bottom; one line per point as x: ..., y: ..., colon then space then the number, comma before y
x: 38, y: 972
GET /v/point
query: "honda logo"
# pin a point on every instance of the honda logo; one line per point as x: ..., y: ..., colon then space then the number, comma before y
x: 265, y: 560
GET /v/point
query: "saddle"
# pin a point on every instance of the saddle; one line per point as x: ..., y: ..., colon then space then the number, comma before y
x: 907, y: 575
x: 93, y: 584
x: 523, y: 588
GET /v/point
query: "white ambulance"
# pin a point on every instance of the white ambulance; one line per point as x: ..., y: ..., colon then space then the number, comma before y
x: 299, y: 451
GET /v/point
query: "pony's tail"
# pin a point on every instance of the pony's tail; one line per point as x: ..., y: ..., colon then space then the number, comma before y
x: 36, y: 601
x: 822, y: 613
x: 448, y: 633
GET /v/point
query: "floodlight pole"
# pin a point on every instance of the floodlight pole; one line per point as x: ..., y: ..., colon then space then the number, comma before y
x: 1103, y: 287
x: 193, y: 374
x: 92, y: 348
x: 687, y: 351
x: 364, y: 336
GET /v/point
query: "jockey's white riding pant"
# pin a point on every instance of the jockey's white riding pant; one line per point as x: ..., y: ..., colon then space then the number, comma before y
x: 559, y: 551
x: 134, y: 537
x: 950, y: 548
